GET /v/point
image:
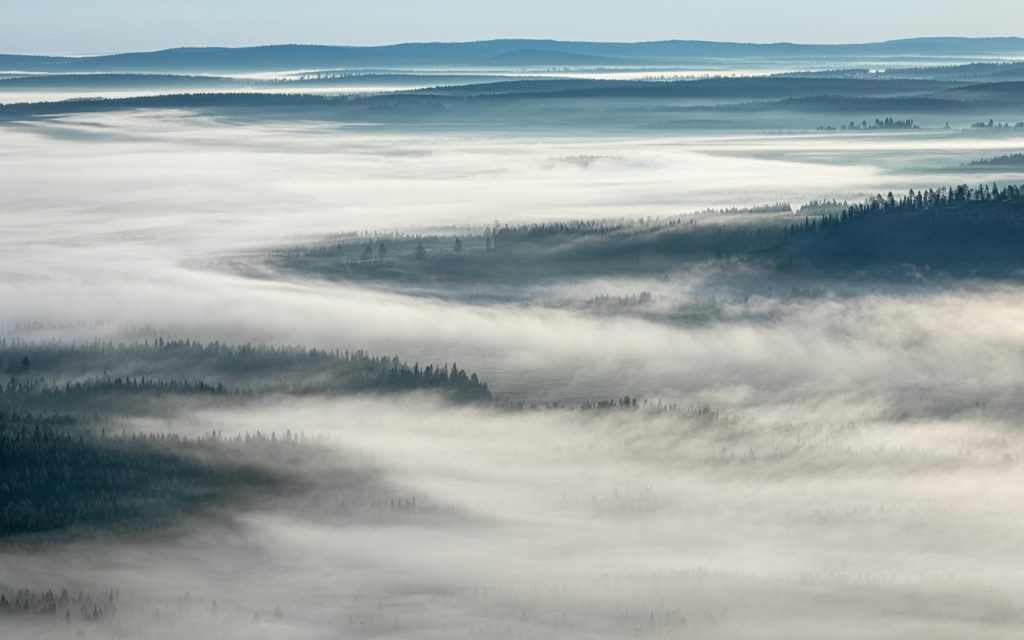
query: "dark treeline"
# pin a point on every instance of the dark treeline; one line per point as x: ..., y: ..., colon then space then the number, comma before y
x: 926, y: 200
x: 821, y: 207
x: 699, y: 414
x: 362, y: 250
x: 1015, y: 159
x: 119, y: 81
x: 958, y: 229
x: 61, y: 371
x: 103, y: 395
x: 505, y: 260
x: 45, y: 389
x: 535, y: 232
x: 864, y: 125
x: 54, y: 478
x: 992, y: 124
x: 67, y: 606
x: 611, y: 304
x: 63, y: 476
x: 971, y: 72
x: 678, y: 240
x: 60, y: 469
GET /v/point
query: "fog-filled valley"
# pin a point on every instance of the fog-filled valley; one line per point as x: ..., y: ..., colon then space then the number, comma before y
x: 519, y: 339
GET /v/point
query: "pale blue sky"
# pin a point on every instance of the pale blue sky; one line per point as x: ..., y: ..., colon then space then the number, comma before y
x: 99, y: 26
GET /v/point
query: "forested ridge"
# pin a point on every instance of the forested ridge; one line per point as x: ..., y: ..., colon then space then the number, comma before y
x: 55, y: 478
x: 514, y: 256
x: 958, y: 230
x: 55, y: 370
x: 1012, y: 159
x: 66, y: 468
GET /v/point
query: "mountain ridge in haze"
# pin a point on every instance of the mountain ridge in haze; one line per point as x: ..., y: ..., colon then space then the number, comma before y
x: 490, y: 53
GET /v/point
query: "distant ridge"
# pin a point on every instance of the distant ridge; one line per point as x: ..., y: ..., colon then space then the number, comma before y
x: 490, y: 53
x: 533, y: 57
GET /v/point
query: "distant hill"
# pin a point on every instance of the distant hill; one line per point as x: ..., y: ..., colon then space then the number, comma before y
x: 752, y: 88
x: 970, y: 72
x: 494, y: 53
x: 759, y: 103
x: 546, y: 57
x: 93, y: 81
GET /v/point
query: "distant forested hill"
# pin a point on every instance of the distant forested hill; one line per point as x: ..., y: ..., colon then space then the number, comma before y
x: 779, y: 103
x: 490, y: 53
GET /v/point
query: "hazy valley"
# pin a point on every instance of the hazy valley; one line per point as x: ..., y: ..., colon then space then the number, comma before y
x: 513, y: 339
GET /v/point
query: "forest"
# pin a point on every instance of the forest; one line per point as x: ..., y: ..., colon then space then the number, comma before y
x: 55, y: 374
x: 960, y: 231
x: 60, y: 478
x: 71, y: 467
x: 957, y: 231
x: 497, y: 262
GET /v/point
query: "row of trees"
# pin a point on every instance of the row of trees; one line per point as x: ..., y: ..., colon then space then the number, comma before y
x: 377, y: 253
x: 607, y: 303
x: 88, y: 606
x: 191, y: 367
x: 104, y: 395
x: 1012, y: 158
x: 47, y: 389
x: 924, y: 200
x: 879, y: 123
x: 992, y: 124
x: 958, y: 231
x: 616, y: 246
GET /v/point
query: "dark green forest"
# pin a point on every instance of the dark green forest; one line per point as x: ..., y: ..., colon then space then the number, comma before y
x: 506, y: 258
x: 961, y: 230
x: 954, y: 231
x: 66, y: 468
x: 58, y: 478
x: 70, y: 375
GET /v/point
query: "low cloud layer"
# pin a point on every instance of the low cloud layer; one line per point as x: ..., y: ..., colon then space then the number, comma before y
x: 598, y: 524
x: 132, y: 222
x: 833, y: 460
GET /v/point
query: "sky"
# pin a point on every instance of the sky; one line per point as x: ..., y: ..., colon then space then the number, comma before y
x: 107, y: 26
